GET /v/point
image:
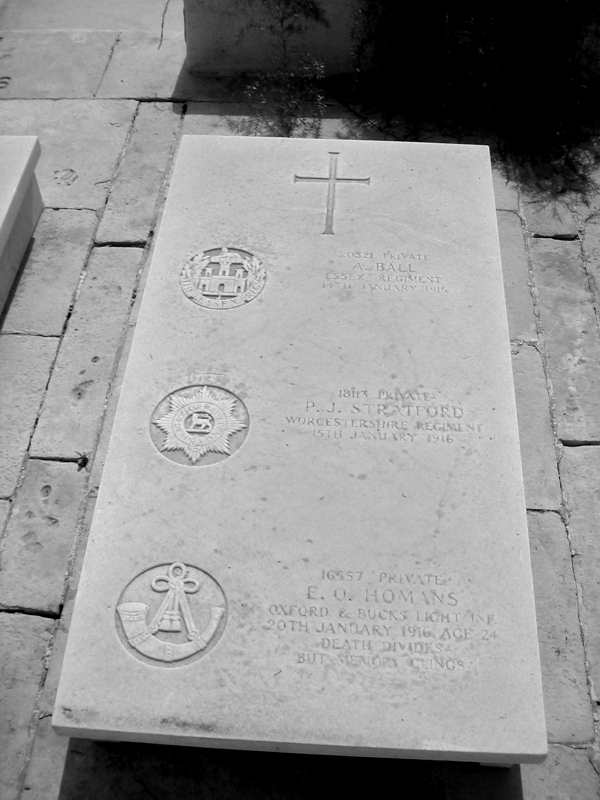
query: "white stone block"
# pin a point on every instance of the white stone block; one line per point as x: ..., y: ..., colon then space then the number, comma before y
x: 20, y: 204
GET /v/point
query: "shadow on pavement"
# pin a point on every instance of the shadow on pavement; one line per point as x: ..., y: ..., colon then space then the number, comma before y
x: 120, y: 771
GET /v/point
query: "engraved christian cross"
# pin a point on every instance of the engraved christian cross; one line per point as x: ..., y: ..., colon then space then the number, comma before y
x: 331, y: 180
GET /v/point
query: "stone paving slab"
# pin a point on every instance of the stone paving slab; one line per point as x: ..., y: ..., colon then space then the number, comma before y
x: 540, y: 472
x: 515, y: 269
x: 4, y: 510
x: 566, y: 774
x: 24, y: 641
x: 549, y: 218
x: 566, y: 698
x: 75, y: 14
x: 57, y: 64
x: 81, y: 141
x: 236, y: 119
x: 72, y: 412
x: 40, y: 536
x: 131, y: 209
x: 580, y: 468
x: 45, y: 768
x: 47, y: 285
x: 144, y: 65
x: 571, y: 337
x: 25, y: 363
x: 591, y: 255
x: 505, y: 191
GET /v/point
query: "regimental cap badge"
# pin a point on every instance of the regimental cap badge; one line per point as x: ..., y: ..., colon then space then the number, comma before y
x: 223, y: 277
x: 171, y: 613
x: 201, y: 425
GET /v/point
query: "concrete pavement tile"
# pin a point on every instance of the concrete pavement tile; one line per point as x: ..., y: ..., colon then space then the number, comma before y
x: 506, y: 192
x: 75, y: 14
x: 580, y: 468
x: 81, y: 142
x: 549, y: 217
x: 222, y: 119
x: 74, y: 405
x: 24, y: 641
x: 48, y: 695
x: 40, y: 536
x: 132, y: 205
x: 55, y: 64
x: 566, y: 698
x: 566, y: 774
x: 571, y: 337
x: 47, y: 285
x: 515, y: 270
x: 45, y: 768
x: 237, y: 119
x: 540, y: 470
x: 591, y: 254
x: 145, y: 66
x: 4, y: 509
x: 25, y: 363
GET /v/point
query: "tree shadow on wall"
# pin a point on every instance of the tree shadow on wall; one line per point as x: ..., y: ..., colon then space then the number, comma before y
x: 524, y: 80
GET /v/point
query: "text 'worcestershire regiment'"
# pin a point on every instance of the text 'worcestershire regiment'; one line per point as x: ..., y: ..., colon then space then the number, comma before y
x: 392, y: 415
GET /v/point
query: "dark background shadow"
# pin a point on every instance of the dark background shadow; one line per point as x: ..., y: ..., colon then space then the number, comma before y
x: 119, y: 771
x: 525, y: 80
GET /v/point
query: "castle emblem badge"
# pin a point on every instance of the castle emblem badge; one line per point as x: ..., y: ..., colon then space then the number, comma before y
x: 201, y: 425
x: 223, y: 277
x: 171, y: 613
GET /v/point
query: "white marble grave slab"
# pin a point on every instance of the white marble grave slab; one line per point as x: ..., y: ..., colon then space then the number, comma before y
x: 20, y: 204
x: 311, y: 529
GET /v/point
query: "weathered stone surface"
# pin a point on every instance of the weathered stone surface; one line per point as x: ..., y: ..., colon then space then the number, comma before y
x: 24, y: 642
x: 25, y: 363
x: 591, y: 255
x: 20, y: 205
x: 57, y: 64
x: 74, y: 403
x: 4, y: 509
x: 132, y: 204
x: 48, y: 694
x: 551, y: 218
x: 538, y: 454
x: 221, y: 119
x: 571, y: 337
x: 240, y: 119
x: 144, y: 65
x: 566, y: 774
x: 45, y: 768
x: 426, y: 493
x: 47, y: 285
x: 580, y: 467
x: 40, y: 536
x: 567, y: 701
x: 74, y: 14
x: 515, y: 269
x: 81, y: 141
x: 506, y: 192
x: 229, y: 38
x: 18, y: 241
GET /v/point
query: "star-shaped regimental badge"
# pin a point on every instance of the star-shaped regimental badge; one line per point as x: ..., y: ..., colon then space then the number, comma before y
x: 200, y: 420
